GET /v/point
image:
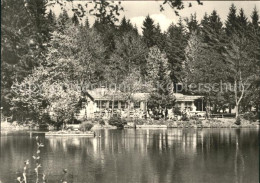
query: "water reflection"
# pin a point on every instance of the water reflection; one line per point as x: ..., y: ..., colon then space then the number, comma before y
x: 174, y: 155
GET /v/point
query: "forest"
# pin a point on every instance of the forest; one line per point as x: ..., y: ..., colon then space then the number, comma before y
x: 43, y: 54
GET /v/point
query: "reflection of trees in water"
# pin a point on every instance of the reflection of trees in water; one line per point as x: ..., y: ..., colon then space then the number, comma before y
x: 173, y: 155
x: 239, y: 164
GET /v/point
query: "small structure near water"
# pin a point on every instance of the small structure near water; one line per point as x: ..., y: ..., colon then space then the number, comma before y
x: 102, y: 103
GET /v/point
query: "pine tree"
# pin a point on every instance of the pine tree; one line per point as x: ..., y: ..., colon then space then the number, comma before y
x: 159, y: 37
x: 175, y: 45
x: 215, y: 22
x: 75, y: 20
x: 37, y: 11
x: 232, y: 20
x: 242, y: 21
x: 148, y: 31
x: 192, y: 23
x: 255, y: 18
x: 51, y: 21
x: 63, y: 21
x: 123, y: 27
x: 87, y: 23
x: 159, y: 74
x: 24, y: 31
x: 205, y: 20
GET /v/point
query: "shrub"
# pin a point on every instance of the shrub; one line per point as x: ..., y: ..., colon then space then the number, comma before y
x: 198, y: 122
x: 46, y: 119
x: 86, y: 126
x: 177, y: 111
x: 238, y: 121
x: 184, y: 118
x: 250, y: 116
x: 100, y: 121
x: 194, y: 117
x: 141, y: 121
x: 118, y: 122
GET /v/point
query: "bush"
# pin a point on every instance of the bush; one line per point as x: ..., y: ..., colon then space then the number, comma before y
x: 118, y: 122
x: 184, y: 118
x: 194, y: 117
x: 238, y: 121
x: 102, y: 122
x: 177, y: 111
x: 250, y: 116
x: 46, y: 119
x: 86, y: 126
x: 76, y: 121
x: 198, y: 122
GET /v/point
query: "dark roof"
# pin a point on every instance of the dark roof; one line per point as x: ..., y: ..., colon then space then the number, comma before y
x: 105, y: 94
x: 186, y: 98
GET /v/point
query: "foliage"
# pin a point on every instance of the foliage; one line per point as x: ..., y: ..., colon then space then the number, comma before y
x: 157, y: 66
x: 37, y: 159
x: 86, y: 126
x: 149, y: 32
x: 176, y: 5
x: 24, y: 34
x: 41, y: 52
x: 238, y: 121
x: 177, y: 111
x: 102, y: 122
x: 176, y: 41
x: 118, y: 122
x: 250, y: 116
x: 46, y: 119
x: 159, y: 74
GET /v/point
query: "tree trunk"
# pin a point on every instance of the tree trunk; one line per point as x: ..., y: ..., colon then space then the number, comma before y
x: 238, y: 99
x: 128, y: 111
x: 237, y: 111
x: 113, y: 105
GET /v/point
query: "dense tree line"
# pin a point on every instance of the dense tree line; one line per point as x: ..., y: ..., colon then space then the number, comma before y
x: 43, y: 53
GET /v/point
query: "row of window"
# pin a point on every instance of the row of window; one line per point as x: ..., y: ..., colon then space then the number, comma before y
x: 103, y: 104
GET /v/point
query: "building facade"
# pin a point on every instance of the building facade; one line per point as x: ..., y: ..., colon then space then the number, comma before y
x: 102, y: 103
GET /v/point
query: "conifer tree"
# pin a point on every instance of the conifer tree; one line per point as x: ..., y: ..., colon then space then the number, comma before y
x: 192, y: 23
x: 87, y: 23
x: 232, y: 20
x: 255, y: 18
x: 175, y: 46
x: 51, y: 21
x: 148, y: 31
x: 63, y: 21
x: 242, y: 21
x: 75, y: 20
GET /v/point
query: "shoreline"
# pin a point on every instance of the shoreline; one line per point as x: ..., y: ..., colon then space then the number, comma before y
x: 192, y: 124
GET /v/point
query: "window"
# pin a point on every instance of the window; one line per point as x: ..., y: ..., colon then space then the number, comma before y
x: 115, y: 104
x: 137, y: 105
x: 187, y: 104
x: 123, y: 106
x: 104, y: 104
x: 98, y: 104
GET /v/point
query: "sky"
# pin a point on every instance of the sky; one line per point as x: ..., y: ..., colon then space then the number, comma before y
x: 136, y: 11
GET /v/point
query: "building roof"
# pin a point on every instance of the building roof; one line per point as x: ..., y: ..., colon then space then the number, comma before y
x: 105, y: 94
x: 186, y: 98
x: 140, y: 96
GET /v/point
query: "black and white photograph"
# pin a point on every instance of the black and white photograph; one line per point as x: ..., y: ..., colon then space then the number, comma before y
x: 153, y: 91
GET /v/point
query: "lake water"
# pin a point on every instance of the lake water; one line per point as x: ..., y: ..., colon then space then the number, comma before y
x: 145, y: 156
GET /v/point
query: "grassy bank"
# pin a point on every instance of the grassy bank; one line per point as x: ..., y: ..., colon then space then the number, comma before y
x: 150, y: 123
x: 212, y: 123
x: 199, y: 123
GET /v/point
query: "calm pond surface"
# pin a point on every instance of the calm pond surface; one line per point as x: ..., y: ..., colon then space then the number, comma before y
x: 149, y: 156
